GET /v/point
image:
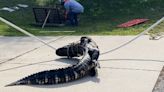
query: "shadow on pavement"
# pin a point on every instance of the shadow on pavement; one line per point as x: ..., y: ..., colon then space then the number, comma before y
x: 76, y: 82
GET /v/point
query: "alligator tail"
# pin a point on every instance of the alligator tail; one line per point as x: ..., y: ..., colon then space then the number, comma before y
x: 62, y: 75
x: 58, y: 76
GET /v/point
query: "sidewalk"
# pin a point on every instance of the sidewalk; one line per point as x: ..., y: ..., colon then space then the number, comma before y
x: 133, y: 68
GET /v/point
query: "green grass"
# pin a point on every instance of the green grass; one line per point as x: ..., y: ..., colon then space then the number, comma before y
x: 158, y: 29
x: 100, y: 17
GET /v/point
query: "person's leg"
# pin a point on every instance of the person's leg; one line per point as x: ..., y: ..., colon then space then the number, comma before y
x: 76, y: 19
x: 71, y: 18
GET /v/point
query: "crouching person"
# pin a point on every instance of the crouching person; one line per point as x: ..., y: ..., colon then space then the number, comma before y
x: 73, y: 9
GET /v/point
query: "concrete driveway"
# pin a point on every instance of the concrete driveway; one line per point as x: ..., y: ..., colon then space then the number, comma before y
x: 133, y: 68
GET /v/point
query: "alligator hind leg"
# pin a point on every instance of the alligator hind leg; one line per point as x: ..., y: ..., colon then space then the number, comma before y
x: 70, y: 51
x: 62, y: 52
x: 93, y: 72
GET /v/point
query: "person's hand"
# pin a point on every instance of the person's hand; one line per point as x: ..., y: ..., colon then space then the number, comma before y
x: 65, y: 17
x: 66, y: 14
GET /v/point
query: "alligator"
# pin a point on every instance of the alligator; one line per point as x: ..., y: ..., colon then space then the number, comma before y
x: 84, y: 67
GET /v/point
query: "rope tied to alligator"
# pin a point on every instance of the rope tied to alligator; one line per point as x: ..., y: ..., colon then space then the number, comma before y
x: 139, y: 35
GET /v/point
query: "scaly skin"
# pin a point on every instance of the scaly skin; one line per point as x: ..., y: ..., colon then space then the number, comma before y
x: 62, y: 75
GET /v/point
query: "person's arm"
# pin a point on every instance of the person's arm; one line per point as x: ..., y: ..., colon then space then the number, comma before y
x: 66, y: 14
x: 67, y: 10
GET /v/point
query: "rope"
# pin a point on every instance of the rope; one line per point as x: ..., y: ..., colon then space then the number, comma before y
x: 19, y: 29
x: 142, y: 33
x: 68, y: 52
x: 25, y: 32
x: 43, y: 63
x: 24, y: 53
x: 29, y: 34
x: 25, y: 65
x: 142, y: 60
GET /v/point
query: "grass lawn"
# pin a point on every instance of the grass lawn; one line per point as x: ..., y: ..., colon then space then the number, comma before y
x: 99, y: 21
